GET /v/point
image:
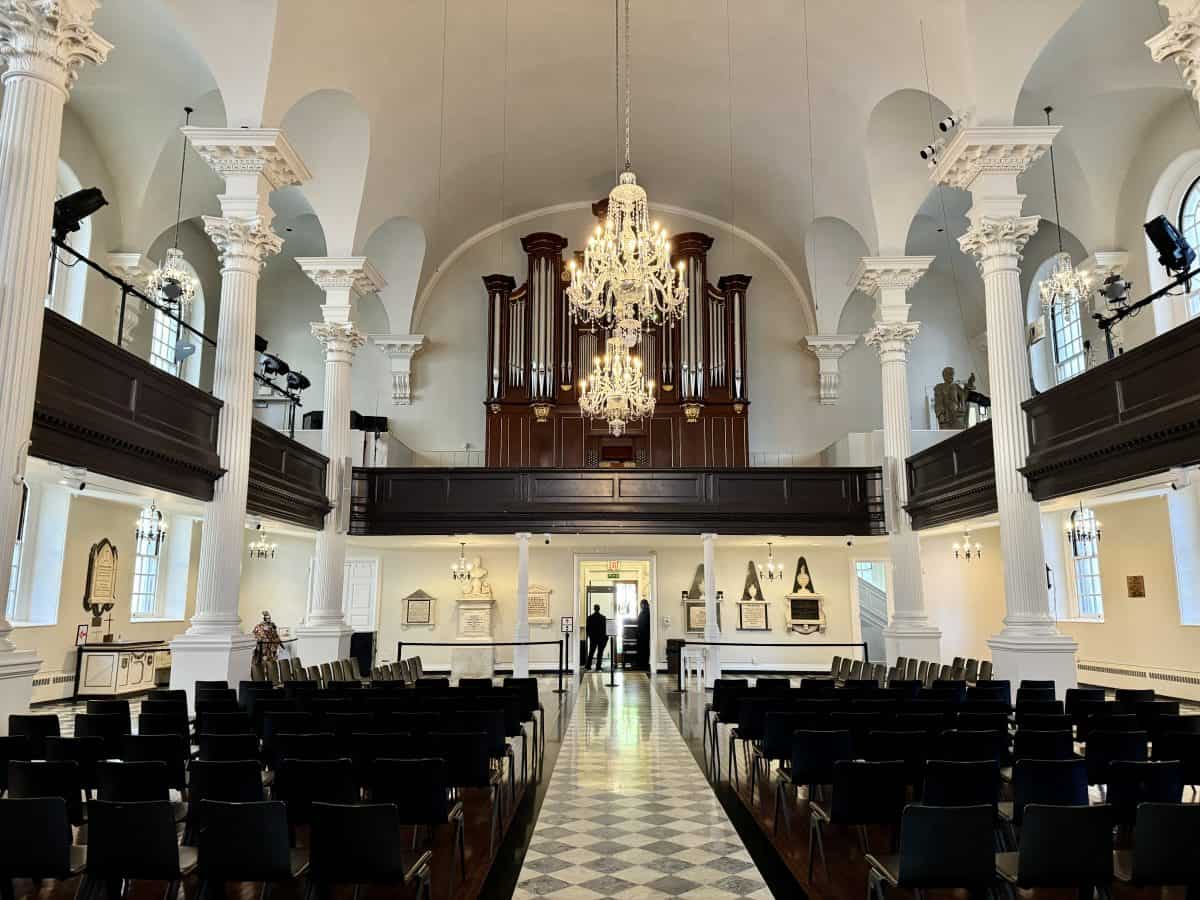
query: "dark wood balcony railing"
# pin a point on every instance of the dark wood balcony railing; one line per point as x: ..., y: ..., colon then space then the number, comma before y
x: 954, y: 479
x: 841, y: 501
x: 287, y: 479
x: 1136, y: 415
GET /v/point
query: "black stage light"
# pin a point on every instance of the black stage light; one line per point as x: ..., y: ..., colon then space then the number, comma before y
x: 273, y: 365
x: 260, y: 344
x: 72, y: 209
x: 1174, y: 252
x: 297, y: 381
x: 1115, y: 290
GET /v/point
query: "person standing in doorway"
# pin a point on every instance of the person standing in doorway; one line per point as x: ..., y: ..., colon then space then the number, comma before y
x: 597, y: 635
x: 643, y: 636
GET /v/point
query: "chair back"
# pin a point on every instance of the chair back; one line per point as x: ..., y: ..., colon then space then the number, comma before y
x: 48, y: 778
x: 132, y: 840
x: 303, y: 782
x: 466, y: 754
x: 970, y: 746
x: 111, y: 728
x: 223, y: 723
x: 910, y: 747
x: 229, y: 747
x: 947, y: 847
x: 308, y: 746
x: 111, y: 708
x: 227, y: 781
x: 1105, y: 746
x: 985, y: 669
x: 1134, y: 783
x: 922, y: 671
x: 417, y: 787
x: 35, y: 728
x: 85, y: 752
x: 434, y: 683
x: 1048, y: 782
x: 356, y: 844
x: 951, y: 783
x: 169, y: 749
x: 1134, y: 695
x: 835, y: 666
x: 163, y: 723
x: 971, y: 673
x: 1065, y: 847
x: 867, y: 793
x: 1044, y: 723
x: 1029, y: 744
x: 911, y: 668
x: 11, y: 747
x: 1164, y: 844
x: 244, y: 842
x: 160, y: 706
x: 992, y: 684
x: 35, y: 838
x: 1035, y: 684
x: 1181, y: 746
x: 476, y: 684
x: 132, y: 782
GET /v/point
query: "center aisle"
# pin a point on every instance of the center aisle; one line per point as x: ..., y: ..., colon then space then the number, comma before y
x: 628, y: 813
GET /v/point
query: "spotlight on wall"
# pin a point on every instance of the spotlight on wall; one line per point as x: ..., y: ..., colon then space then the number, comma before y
x: 1174, y: 252
x: 928, y: 151
x: 273, y: 365
x: 72, y: 209
x: 1115, y: 290
x: 298, y: 381
x: 948, y: 123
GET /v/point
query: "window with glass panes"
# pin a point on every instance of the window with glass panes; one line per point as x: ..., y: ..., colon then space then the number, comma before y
x: 162, y: 342
x: 1189, y: 227
x: 1069, y: 355
x: 1088, y: 595
x: 14, y: 579
x: 145, y: 571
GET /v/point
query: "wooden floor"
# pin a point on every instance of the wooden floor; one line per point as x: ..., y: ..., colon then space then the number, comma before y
x: 847, y: 868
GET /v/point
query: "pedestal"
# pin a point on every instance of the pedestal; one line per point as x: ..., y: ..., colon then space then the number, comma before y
x: 316, y: 644
x: 17, y: 668
x: 472, y: 661
x: 210, y: 657
x: 912, y: 642
x: 1050, y: 657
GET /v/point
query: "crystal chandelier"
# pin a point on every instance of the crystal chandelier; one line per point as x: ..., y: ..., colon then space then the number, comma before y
x: 1066, y: 285
x: 616, y: 390
x: 1083, y: 531
x: 626, y: 281
x: 968, y: 550
x: 151, y: 528
x: 460, y: 571
x: 261, y: 547
x: 172, y: 283
x: 772, y: 571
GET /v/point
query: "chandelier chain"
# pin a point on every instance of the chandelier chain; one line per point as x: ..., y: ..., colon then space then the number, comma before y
x: 628, y: 92
x: 187, y: 120
x: 1054, y: 184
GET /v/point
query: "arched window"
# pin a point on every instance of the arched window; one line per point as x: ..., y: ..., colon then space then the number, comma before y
x: 1189, y: 227
x: 1083, y: 552
x: 167, y: 335
x: 145, y: 603
x: 1060, y: 355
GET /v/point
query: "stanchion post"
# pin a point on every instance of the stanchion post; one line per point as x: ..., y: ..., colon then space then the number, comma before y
x: 561, y: 658
x: 679, y: 669
x: 612, y: 663
x: 399, y: 650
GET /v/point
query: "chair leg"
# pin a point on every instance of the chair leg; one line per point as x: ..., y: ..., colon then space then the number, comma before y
x: 815, y: 838
x: 172, y: 891
x: 461, y: 838
x: 267, y: 888
x: 753, y: 775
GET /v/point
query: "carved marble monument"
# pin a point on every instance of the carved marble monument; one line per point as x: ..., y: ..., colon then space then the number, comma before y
x: 474, y: 628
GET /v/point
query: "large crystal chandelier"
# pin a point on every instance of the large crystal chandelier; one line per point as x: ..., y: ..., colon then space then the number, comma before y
x: 626, y: 281
x: 172, y: 283
x: 616, y: 390
x: 1066, y: 285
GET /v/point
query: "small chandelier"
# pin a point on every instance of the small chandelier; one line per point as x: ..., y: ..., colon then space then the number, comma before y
x: 968, y: 550
x: 460, y: 571
x: 1083, y: 531
x: 172, y: 283
x: 616, y: 390
x: 772, y: 571
x: 1066, y: 285
x: 152, y: 528
x: 626, y: 282
x: 262, y: 547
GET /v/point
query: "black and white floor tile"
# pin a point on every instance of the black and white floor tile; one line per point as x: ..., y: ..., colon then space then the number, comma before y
x: 629, y: 814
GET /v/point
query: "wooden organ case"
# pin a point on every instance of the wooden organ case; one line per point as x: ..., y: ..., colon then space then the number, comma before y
x: 537, y: 354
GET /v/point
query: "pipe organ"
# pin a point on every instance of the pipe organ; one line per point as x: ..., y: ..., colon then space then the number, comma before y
x: 537, y: 354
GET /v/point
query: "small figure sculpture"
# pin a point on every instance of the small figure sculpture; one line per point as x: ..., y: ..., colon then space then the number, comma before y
x: 950, y: 400
x: 267, y: 635
x: 478, y: 588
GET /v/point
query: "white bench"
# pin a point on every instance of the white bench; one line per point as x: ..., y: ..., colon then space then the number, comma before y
x: 692, y: 660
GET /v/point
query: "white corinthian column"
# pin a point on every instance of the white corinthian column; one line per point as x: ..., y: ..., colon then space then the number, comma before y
x: 43, y: 44
x: 986, y: 161
x: 888, y: 280
x: 253, y: 162
x: 325, y: 635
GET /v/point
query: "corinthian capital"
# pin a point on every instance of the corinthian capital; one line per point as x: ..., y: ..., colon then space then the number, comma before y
x: 338, y: 338
x: 1180, y: 41
x: 991, y: 236
x: 891, y: 339
x: 243, y: 244
x: 50, y: 39
x: 887, y: 273
x: 249, y: 151
x: 991, y: 150
x: 353, y: 274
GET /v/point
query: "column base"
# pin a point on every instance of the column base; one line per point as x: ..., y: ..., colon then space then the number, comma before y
x: 318, y: 644
x: 210, y: 657
x: 913, y: 642
x: 712, y: 664
x: 520, y: 659
x: 1051, y: 657
x: 17, y: 668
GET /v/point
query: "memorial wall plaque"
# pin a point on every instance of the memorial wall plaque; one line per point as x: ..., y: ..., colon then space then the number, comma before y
x: 752, y: 617
x: 475, y: 622
x: 418, y: 608
x: 539, y: 604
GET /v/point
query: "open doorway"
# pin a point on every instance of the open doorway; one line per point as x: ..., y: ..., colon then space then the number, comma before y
x: 617, y: 584
x: 870, y: 590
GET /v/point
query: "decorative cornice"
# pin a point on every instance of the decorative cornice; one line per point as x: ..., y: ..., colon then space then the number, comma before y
x: 1180, y: 41
x: 1103, y: 263
x: 993, y: 150
x: 891, y: 338
x: 990, y: 237
x: 878, y: 273
x: 400, y: 350
x: 829, y: 349
x: 249, y: 151
x: 352, y: 273
x: 338, y: 337
x: 49, y: 39
x: 243, y: 245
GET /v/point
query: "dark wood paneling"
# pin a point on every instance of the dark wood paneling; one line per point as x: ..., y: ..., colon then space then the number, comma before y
x: 287, y: 479
x: 674, y: 501
x: 102, y: 408
x: 954, y: 479
x: 1136, y: 415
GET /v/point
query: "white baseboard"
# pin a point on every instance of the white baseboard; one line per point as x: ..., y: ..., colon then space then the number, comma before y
x: 1181, y: 683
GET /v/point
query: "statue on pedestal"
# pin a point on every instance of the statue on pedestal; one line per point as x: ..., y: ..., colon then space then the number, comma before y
x: 950, y: 400
x: 478, y: 587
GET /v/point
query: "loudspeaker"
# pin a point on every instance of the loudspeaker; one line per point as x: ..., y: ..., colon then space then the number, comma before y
x: 314, y: 420
x: 376, y: 424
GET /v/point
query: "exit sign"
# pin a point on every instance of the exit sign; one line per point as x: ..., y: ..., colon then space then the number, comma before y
x: 614, y: 575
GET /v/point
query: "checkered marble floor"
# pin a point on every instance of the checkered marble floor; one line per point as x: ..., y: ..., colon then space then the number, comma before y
x: 628, y: 813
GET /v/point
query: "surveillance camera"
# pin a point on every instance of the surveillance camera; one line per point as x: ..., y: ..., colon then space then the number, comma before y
x: 849, y: 540
x: 948, y: 123
x: 547, y: 537
x: 83, y: 485
x: 928, y: 151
